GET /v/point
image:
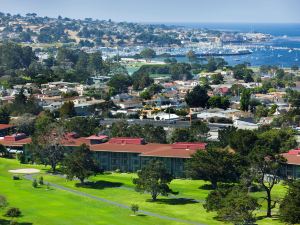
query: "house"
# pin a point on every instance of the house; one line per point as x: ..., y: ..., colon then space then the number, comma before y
x: 291, y: 169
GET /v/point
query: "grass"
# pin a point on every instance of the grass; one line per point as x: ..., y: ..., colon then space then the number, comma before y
x: 56, y: 207
x: 42, y: 205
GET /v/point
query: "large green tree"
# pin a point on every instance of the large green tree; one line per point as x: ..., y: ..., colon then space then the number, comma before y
x: 289, y: 210
x: 197, y: 97
x: 67, y: 110
x: 245, y: 100
x: 214, y: 165
x: 80, y: 164
x: 148, y: 54
x: 233, y: 205
x: 154, y: 179
x: 265, y: 167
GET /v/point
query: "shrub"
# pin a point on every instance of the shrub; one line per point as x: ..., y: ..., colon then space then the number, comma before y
x: 41, y: 181
x: 13, y: 212
x: 134, y: 208
x: 15, y: 177
x: 34, y: 183
x: 3, y: 201
x: 13, y: 222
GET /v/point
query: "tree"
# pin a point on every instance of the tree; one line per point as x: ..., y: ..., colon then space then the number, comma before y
x: 119, y: 83
x: 3, y: 151
x: 245, y: 99
x: 148, y: 54
x: 4, y: 115
x: 289, y: 210
x: 83, y: 126
x: 80, y: 164
x: 134, y: 208
x: 224, y: 135
x: 183, y: 135
x: 200, y: 129
x: 265, y: 167
x: 214, y: 165
x: 197, y: 97
x: 232, y: 205
x: 154, y: 179
x: 46, y: 147
x: 192, y: 57
x: 219, y: 102
x: 217, y: 78
x: 141, y: 81
x: 67, y: 110
x: 242, y: 141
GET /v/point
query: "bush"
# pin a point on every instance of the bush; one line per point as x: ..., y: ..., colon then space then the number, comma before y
x: 13, y: 222
x: 134, y: 208
x: 41, y: 181
x: 15, y: 177
x: 13, y: 212
x: 34, y: 183
x: 3, y: 201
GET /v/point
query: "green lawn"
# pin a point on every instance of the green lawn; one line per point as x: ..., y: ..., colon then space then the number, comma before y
x: 55, y: 206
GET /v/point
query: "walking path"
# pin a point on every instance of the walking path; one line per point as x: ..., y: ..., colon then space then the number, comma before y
x: 30, y: 177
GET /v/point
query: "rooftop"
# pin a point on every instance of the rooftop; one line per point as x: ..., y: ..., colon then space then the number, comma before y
x: 292, y: 157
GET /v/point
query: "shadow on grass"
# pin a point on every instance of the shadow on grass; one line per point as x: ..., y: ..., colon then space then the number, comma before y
x: 206, y: 187
x: 7, y: 222
x: 100, y: 184
x: 174, y: 201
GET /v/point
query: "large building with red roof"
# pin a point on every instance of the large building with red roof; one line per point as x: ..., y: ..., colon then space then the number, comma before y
x: 122, y: 153
x: 291, y: 169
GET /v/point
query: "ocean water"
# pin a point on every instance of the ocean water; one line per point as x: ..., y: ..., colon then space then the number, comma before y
x: 285, y: 35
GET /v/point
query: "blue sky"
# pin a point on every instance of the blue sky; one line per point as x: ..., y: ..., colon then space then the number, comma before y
x: 243, y: 11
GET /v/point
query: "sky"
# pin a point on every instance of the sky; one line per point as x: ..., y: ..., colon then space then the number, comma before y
x: 174, y: 11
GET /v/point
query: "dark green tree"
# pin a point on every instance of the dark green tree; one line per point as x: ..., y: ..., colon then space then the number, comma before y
x: 191, y: 56
x: 218, y: 102
x: 232, y: 205
x: 289, y: 210
x: 4, y: 115
x: 67, y: 110
x: 265, y: 168
x: 154, y: 179
x: 197, y: 97
x: 214, y: 165
x: 80, y: 164
x: 119, y: 83
x: 245, y: 99
x: 148, y: 54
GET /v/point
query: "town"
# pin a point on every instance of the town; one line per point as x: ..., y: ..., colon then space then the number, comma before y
x: 106, y: 122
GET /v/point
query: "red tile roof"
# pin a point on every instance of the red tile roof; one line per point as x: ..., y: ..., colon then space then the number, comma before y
x: 15, y: 143
x: 5, y: 126
x: 156, y: 150
x: 292, y: 157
